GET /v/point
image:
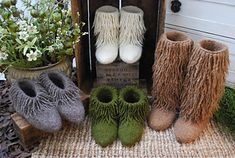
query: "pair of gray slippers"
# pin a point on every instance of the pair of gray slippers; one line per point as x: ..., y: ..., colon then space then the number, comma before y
x: 45, y: 101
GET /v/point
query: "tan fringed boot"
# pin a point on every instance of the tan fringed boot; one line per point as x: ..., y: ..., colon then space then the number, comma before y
x: 202, y: 89
x: 172, y: 55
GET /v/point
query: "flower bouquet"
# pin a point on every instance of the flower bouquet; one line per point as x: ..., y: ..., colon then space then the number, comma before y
x: 41, y: 35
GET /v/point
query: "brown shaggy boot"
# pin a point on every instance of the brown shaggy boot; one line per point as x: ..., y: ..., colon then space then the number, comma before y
x: 202, y: 89
x: 172, y: 55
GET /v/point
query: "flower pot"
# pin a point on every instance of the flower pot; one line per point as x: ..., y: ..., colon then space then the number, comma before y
x: 15, y: 73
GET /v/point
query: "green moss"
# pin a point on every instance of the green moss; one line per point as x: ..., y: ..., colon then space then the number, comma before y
x: 133, y: 109
x: 103, y: 113
x: 225, y: 116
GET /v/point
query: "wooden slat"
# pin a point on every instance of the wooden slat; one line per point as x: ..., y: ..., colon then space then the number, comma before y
x: 94, y: 5
x: 118, y: 74
x: 81, y: 49
x: 162, y: 17
x: 150, y: 8
x: 75, y: 7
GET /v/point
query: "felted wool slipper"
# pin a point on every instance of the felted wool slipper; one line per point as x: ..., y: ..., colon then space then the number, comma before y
x: 133, y: 109
x: 65, y: 94
x: 32, y: 101
x: 103, y: 113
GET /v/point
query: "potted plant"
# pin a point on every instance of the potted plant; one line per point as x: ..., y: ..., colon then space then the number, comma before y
x: 37, y: 39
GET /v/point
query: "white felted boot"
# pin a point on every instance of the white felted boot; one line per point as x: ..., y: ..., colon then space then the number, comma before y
x: 106, y: 28
x: 132, y: 31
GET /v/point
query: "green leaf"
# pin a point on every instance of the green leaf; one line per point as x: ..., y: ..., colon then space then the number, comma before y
x: 17, y: 40
x: 25, y: 49
x: 33, y: 41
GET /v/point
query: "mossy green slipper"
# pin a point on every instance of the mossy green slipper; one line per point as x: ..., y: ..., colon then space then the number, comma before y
x: 103, y: 113
x: 133, y: 109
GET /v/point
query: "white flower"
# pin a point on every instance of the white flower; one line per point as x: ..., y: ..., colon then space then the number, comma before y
x: 60, y: 45
x: 32, y: 56
x: 23, y: 35
x: 59, y: 32
x: 32, y: 29
x: 51, y: 49
x: 3, y: 56
x: 3, y: 49
x: 2, y: 31
x: 64, y: 11
x: 22, y: 25
x: 60, y: 22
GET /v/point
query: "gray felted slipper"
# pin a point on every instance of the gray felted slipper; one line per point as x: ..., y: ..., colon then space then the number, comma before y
x: 65, y: 94
x: 32, y: 101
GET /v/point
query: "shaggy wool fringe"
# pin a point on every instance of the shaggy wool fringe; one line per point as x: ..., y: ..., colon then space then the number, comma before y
x: 26, y: 105
x: 106, y: 26
x: 132, y: 27
x: 204, y: 83
x: 70, y: 95
x: 137, y: 111
x: 99, y: 111
x: 171, y: 58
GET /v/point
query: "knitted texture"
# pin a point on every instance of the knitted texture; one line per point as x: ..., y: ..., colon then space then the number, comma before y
x: 133, y: 109
x: 33, y: 102
x: 106, y: 26
x: 171, y: 59
x: 132, y: 26
x: 65, y: 94
x: 204, y: 83
x: 103, y: 113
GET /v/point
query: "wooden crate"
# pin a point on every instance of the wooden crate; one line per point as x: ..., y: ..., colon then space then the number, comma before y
x: 30, y: 136
x: 154, y: 16
x: 118, y: 74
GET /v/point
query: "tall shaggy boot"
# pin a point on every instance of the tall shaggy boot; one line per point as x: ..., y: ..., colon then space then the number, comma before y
x: 106, y: 28
x: 65, y: 94
x: 103, y: 113
x: 132, y: 31
x: 172, y: 55
x: 33, y: 102
x: 133, y: 109
x: 202, y: 89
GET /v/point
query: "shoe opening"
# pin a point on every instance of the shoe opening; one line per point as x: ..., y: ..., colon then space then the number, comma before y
x: 132, y: 9
x: 212, y: 46
x: 176, y: 36
x: 131, y: 97
x: 105, y: 96
x: 107, y: 9
x: 57, y: 80
x: 27, y: 88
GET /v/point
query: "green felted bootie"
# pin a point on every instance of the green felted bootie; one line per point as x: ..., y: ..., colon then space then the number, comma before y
x: 103, y: 113
x: 133, y: 109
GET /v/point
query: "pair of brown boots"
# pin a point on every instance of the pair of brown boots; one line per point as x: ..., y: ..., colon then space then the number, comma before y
x: 190, y: 78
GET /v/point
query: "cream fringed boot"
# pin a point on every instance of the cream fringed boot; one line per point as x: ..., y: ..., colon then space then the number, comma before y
x: 202, y: 89
x: 172, y: 55
x: 106, y: 28
x: 132, y: 31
